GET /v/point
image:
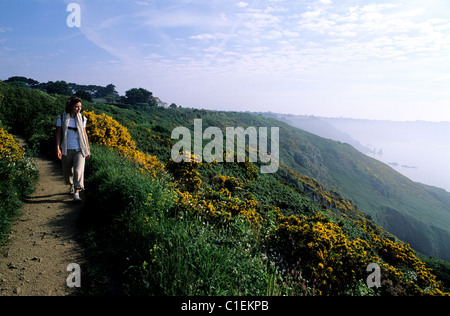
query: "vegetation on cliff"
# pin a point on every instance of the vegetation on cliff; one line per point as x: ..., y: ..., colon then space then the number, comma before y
x: 195, y: 228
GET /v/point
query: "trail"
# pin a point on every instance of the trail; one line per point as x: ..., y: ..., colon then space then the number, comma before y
x: 43, y: 240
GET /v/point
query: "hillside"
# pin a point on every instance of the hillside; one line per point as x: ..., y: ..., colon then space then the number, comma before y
x: 419, y: 150
x: 414, y: 212
x: 225, y: 228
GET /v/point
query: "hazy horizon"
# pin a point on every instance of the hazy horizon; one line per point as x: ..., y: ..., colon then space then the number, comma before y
x: 382, y: 60
x: 420, y: 150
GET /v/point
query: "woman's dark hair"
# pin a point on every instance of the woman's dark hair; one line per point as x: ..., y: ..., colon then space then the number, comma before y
x: 71, y: 102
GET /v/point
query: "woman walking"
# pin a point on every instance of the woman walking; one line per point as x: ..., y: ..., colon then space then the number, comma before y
x: 72, y: 145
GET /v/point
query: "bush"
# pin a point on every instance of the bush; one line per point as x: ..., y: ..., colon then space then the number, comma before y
x: 31, y: 114
x: 104, y: 130
x: 155, y: 248
x: 118, y: 202
x: 191, y: 257
x: 18, y: 176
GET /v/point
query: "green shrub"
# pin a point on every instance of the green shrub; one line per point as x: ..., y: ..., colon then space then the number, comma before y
x: 155, y: 249
x: 191, y: 257
x: 17, y: 180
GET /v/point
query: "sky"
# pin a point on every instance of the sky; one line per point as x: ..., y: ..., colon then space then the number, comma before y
x: 336, y: 58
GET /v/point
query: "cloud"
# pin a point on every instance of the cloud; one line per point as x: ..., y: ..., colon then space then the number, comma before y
x: 380, y: 31
x: 321, y: 33
x: 309, y: 15
x: 208, y: 36
x: 275, y: 44
x: 203, y: 37
x: 242, y: 4
x: 142, y: 3
x: 5, y: 29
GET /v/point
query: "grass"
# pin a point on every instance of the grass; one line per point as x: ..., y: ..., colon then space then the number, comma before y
x: 17, y: 179
x: 157, y: 250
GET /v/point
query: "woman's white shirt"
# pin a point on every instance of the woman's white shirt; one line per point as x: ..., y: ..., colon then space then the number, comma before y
x: 72, y: 136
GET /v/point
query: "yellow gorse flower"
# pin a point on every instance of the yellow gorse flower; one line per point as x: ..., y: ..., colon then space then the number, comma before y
x: 219, y: 205
x: 9, y: 148
x: 188, y: 178
x: 336, y: 260
x: 104, y: 130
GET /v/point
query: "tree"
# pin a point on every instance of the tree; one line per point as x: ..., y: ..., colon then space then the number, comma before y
x: 58, y: 87
x: 110, y: 90
x: 140, y: 95
x: 28, y: 81
x: 84, y: 95
x: 19, y: 84
x: 110, y: 93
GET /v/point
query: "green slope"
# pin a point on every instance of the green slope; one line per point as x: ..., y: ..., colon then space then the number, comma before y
x: 407, y: 209
x: 415, y: 213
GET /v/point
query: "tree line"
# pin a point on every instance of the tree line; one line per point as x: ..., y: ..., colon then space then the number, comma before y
x: 138, y: 98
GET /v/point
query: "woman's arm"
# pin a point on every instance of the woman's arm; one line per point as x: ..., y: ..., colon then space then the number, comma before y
x: 87, y: 142
x: 58, y: 142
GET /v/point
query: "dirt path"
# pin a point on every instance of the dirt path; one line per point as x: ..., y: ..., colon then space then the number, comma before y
x: 43, y: 240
